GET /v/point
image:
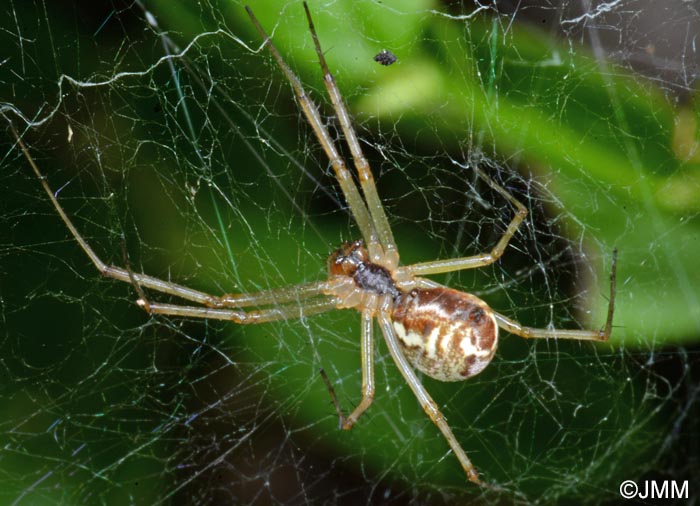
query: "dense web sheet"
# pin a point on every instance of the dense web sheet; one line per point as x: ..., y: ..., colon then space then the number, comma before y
x: 166, y: 131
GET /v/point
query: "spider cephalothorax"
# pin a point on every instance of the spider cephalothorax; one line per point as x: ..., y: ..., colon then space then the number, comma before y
x: 352, y: 260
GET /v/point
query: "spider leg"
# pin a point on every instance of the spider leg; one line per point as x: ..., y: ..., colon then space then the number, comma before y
x: 471, y: 262
x: 366, y: 348
x: 288, y: 294
x: 426, y: 402
x: 274, y: 295
x: 531, y: 333
x: 369, y: 188
x: 342, y: 174
x: 582, y: 335
x: 288, y: 312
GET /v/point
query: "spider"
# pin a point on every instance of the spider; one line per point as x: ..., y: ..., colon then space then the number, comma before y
x: 444, y: 333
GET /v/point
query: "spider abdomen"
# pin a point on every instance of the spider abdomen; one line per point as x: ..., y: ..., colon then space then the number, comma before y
x: 447, y: 334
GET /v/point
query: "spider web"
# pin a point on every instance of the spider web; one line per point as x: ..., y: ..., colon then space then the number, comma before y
x: 167, y: 132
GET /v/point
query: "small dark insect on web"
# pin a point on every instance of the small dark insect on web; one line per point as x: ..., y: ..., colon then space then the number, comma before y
x: 385, y: 57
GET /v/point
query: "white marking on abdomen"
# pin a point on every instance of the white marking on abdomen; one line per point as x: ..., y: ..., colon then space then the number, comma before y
x: 410, y: 339
x: 431, y: 344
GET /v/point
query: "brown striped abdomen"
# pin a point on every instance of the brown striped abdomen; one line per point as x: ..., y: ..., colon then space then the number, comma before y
x: 447, y: 334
